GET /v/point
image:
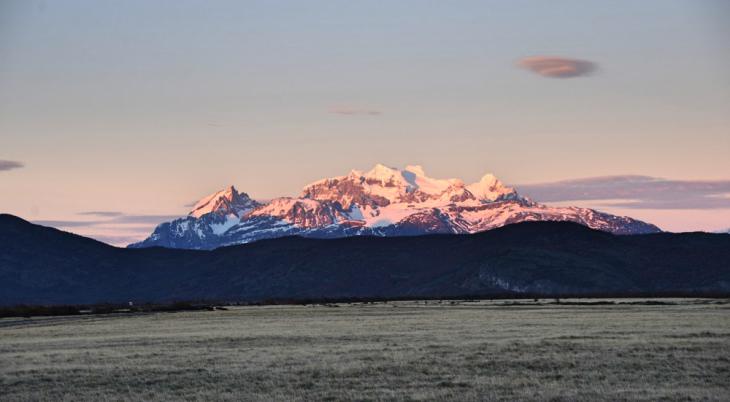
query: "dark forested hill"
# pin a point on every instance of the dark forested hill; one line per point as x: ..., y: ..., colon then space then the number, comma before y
x: 40, y: 265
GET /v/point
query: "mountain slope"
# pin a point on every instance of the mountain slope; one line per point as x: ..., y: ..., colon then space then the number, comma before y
x: 224, y: 202
x: 381, y: 202
x: 41, y: 265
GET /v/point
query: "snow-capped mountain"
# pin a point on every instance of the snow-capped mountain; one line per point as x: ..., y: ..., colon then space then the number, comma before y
x: 224, y: 202
x: 382, y: 202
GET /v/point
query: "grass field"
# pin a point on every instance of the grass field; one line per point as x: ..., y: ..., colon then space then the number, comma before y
x: 384, y: 351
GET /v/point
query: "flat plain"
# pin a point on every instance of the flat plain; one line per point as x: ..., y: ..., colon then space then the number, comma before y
x: 410, y: 350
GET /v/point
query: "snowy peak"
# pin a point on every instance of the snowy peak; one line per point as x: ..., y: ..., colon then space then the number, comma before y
x: 224, y: 202
x: 383, y: 185
x: 382, y: 201
x: 376, y: 188
x: 490, y: 189
x: 416, y: 170
x: 382, y: 172
x: 385, y: 176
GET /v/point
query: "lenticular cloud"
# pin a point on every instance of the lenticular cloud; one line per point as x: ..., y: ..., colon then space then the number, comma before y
x: 557, y: 67
x: 10, y: 165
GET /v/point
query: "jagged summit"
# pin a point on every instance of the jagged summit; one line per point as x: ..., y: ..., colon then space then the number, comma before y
x: 223, y: 202
x: 385, y: 185
x: 383, y: 201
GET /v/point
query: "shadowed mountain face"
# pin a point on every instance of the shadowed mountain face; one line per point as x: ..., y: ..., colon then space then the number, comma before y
x: 40, y: 265
x: 381, y: 202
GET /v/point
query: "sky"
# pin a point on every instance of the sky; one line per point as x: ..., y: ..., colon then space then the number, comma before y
x: 115, y: 116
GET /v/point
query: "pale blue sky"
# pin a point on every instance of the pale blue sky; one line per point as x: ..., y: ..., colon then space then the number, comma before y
x: 144, y: 106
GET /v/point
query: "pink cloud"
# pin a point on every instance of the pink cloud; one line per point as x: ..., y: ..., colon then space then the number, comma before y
x: 557, y: 67
x: 636, y: 192
x: 10, y: 165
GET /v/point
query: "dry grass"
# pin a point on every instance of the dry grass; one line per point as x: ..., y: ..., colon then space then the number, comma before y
x: 394, y: 351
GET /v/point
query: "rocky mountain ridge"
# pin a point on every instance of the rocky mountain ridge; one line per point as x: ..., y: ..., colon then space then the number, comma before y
x: 383, y: 201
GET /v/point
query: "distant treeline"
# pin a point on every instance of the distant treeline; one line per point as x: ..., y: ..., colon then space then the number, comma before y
x: 499, y: 296
x: 108, y: 308
x: 34, y: 311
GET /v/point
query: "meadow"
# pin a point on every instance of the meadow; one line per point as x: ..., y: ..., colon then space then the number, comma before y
x: 675, y: 349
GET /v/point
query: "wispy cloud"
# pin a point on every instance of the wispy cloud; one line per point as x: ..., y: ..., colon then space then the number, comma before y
x: 67, y: 223
x: 642, y: 192
x: 112, y: 227
x: 10, y: 165
x: 352, y: 111
x: 114, y: 218
x: 145, y: 219
x: 102, y: 213
x: 557, y: 67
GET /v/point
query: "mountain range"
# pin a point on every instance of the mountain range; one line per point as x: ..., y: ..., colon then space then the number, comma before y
x: 383, y: 201
x: 42, y: 265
